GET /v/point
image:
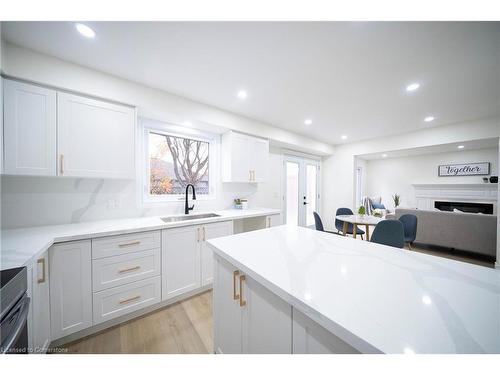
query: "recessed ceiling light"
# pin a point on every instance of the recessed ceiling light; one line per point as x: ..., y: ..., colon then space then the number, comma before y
x: 308, y: 121
x: 344, y: 137
x: 412, y: 86
x: 460, y: 147
x: 384, y: 155
x: 86, y: 31
x: 429, y: 119
x: 242, y: 94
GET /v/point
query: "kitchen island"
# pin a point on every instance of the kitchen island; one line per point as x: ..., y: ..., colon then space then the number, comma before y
x: 289, y: 289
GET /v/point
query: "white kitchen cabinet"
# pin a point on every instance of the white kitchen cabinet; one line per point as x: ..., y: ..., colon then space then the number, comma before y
x: 29, y: 129
x: 248, y: 317
x: 227, y: 311
x: 40, y: 304
x: 244, y: 158
x: 70, y: 287
x: 266, y: 320
x: 95, y: 138
x: 273, y: 220
x: 310, y: 338
x: 180, y: 260
x: 210, y: 231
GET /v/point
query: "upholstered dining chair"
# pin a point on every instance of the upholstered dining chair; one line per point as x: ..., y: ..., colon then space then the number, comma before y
x: 319, y: 224
x: 339, y: 224
x: 390, y: 233
x: 410, y: 227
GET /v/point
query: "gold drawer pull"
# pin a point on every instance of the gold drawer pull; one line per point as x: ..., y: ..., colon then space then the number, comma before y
x: 235, y: 295
x: 61, y: 164
x: 204, y: 234
x: 42, y: 262
x: 129, y: 244
x: 242, y: 303
x: 129, y: 269
x: 129, y: 299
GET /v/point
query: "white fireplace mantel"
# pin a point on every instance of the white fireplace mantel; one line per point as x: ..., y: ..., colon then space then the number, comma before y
x: 427, y: 194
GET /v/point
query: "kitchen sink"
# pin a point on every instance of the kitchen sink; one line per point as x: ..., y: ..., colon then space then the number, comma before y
x: 174, y: 219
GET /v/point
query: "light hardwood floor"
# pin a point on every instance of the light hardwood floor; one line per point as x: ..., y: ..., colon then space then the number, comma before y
x: 184, y: 327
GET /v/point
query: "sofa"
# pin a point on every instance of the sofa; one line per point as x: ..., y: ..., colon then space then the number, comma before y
x: 475, y: 233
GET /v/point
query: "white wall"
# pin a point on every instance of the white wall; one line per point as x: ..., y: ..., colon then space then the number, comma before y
x: 386, y: 177
x: 338, y: 169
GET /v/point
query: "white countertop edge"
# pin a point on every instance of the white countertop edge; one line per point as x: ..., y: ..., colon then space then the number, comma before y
x: 339, y: 331
x: 225, y: 215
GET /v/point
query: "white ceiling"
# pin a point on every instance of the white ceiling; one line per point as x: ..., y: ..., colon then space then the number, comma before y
x: 478, y: 144
x: 348, y: 77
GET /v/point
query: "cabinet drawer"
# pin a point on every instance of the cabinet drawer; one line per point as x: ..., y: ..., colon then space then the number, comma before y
x: 122, y: 269
x: 121, y: 300
x: 124, y: 244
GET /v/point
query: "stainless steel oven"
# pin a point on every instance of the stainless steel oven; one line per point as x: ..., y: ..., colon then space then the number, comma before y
x: 14, y: 308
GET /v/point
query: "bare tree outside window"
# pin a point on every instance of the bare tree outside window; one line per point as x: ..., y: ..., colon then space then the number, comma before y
x: 176, y: 162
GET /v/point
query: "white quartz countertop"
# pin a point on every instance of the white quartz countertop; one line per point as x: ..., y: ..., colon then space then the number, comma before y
x: 20, y: 246
x: 374, y: 297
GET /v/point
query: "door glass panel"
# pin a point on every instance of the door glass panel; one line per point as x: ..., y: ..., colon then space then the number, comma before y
x: 292, y: 193
x: 311, y: 193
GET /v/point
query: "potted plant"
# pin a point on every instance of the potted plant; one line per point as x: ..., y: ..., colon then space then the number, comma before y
x: 396, y: 198
x: 361, y: 210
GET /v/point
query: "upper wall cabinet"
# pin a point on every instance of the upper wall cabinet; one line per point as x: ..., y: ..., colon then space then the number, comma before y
x: 29, y: 129
x: 83, y: 137
x: 95, y: 138
x: 244, y: 158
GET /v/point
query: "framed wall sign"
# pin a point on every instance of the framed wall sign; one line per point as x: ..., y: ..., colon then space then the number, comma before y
x: 468, y: 169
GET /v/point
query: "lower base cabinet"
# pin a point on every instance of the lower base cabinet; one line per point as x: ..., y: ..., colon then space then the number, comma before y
x: 186, y: 259
x: 70, y: 288
x: 248, y: 317
x: 310, y: 338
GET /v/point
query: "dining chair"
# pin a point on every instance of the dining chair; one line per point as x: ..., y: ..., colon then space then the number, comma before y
x: 339, y: 224
x: 410, y: 227
x: 390, y: 233
x: 319, y: 224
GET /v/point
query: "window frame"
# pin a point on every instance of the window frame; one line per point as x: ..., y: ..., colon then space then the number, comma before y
x: 179, y: 132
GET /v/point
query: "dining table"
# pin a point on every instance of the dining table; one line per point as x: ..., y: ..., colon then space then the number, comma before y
x: 355, y: 220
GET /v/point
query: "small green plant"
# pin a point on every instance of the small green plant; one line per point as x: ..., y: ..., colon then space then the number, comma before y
x: 396, y: 198
x: 361, y: 210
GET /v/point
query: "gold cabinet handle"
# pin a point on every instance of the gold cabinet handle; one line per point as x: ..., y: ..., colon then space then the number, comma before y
x: 250, y: 175
x: 125, y: 270
x: 269, y: 222
x: 198, y: 235
x: 204, y: 234
x: 235, y: 295
x: 42, y: 262
x: 129, y: 244
x: 253, y: 175
x: 61, y: 164
x: 128, y: 300
x: 242, y: 303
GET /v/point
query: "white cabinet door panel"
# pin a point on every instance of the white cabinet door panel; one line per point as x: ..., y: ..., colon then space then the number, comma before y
x: 29, y: 129
x: 266, y: 321
x: 180, y: 261
x: 211, y: 231
x: 70, y: 287
x: 310, y: 338
x: 124, y: 299
x: 95, y: 138
x: 259, y: 159
x: 227, y: 311
x: 122, y: 269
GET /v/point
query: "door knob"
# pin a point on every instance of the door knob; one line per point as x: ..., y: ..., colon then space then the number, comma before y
x: 305, y: 203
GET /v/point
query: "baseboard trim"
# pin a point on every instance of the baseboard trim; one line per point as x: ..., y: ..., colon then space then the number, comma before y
x: 125, y: 318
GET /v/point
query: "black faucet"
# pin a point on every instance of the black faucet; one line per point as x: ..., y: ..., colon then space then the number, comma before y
x: 186, y: 207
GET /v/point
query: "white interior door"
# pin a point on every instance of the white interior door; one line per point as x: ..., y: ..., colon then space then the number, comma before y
x: 301, y: 196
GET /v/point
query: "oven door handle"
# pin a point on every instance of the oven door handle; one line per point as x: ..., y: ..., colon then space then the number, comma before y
x: 22, y: 314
